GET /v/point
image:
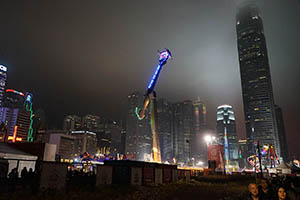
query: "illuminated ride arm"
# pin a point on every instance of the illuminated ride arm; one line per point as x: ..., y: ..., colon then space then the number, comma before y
x: 163, y: 58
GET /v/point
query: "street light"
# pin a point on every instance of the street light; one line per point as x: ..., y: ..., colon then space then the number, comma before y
x: 209, y: 139
x: 200, y: 163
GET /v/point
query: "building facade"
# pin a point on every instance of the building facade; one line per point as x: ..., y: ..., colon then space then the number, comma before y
x: 72, y: 122
x: 199, y: 147
x: 65, y: 146
x: 91, y: 123
x: 138, y: 132
x: 256, y: 78
x: 86, y: 141
x: 17, y: 122
x: 183, y: 131
x: 165, y: 129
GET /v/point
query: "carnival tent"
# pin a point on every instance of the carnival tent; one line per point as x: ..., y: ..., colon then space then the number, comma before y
x: 16, y: 158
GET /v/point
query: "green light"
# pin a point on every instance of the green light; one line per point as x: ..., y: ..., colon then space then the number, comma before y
x: 137, y: 113
x: 28, y: 107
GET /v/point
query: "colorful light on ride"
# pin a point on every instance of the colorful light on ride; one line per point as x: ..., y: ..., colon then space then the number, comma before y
x: 163, y: 57
x: 15, y: 91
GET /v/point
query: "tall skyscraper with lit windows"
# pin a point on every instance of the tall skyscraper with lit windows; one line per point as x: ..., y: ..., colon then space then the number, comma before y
x: 255, y: 74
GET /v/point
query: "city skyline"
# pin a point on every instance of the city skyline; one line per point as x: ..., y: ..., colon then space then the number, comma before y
x: 52, y: 60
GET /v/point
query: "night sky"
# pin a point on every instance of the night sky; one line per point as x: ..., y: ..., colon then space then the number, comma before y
x: 81, y: 57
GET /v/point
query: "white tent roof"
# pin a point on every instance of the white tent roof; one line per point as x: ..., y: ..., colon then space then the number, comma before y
x: 8, y: 152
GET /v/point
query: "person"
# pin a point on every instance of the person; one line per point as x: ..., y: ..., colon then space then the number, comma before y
x: 24, y: 177
x: 253, y: 192
x: 265, y: 190
x: 281, y: 193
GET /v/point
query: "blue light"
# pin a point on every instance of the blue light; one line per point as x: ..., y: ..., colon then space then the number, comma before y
x: 154, y: 76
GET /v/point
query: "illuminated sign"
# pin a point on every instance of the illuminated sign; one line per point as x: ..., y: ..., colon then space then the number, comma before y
x: 3, y: 68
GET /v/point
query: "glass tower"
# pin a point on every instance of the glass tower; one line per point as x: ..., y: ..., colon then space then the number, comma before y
x: 256, y: 78
x: 226, y: 120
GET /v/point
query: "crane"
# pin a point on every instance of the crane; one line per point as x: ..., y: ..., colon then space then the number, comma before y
x: 150, y: 97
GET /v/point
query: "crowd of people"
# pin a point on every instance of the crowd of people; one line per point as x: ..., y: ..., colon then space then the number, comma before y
x: 286, y: 188
x: 26, y: 180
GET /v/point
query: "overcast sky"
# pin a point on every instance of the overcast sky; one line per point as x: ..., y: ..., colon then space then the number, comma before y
x: 86, y: 56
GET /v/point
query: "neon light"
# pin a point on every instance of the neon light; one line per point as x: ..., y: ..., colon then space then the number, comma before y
x: 16, y: 92
x: 28, y: 106
x: 137, y: 113
x: 154, y: 77
x: 14, y: 138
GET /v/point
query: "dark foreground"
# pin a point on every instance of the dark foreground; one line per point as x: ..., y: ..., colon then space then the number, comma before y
x: 176, y: 191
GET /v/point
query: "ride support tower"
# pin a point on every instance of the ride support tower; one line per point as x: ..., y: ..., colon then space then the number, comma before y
x: 150, y: 97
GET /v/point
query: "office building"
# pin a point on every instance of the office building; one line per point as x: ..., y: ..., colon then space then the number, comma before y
x: 256, y: 82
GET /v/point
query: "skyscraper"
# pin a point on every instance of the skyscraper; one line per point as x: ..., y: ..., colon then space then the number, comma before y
x: 3, y: 70
x: 199, y: 147
x: 17, y: 116
x: 165, y: 129
x: 72, y: 122
x: 138, y: 132
x: 183, y: 130
x: 228, y: 137
x: 91, y: 123
x: 256, y: 78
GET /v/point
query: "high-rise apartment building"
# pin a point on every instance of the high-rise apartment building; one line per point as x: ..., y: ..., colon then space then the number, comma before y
x: 226, y: 131
x: 183, y: 130
x: 3, y: 76
x: 138, y: 132
x: 256, y: 78
x: 72, y: 122
x: 165, y: 129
